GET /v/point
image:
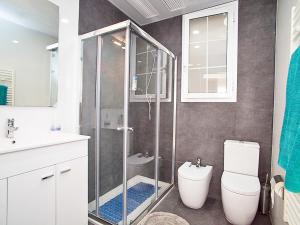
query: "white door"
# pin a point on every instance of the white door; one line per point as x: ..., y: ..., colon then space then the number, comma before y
x: 31, y: 198
x: 3, y: 201
x: 72, y: 201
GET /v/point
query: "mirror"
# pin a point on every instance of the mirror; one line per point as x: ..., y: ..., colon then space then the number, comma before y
x: 29, y: 53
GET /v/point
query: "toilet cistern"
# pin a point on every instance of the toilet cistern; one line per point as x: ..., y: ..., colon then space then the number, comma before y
x: 239, y: 183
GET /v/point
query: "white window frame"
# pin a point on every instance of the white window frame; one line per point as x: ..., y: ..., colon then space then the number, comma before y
x: 232, y: 51
x: 166, y: 87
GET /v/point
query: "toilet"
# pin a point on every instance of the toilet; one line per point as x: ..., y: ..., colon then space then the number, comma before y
x: 240, y: 186
x: 193, y: 184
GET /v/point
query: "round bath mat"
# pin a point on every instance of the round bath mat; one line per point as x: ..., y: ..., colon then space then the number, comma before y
x: 163, y: 218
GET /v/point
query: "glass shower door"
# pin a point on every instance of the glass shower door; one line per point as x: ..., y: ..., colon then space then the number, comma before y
x: 88, y: 112
x: 111, y: 120
x: 127, y: 109
x: 142, y: 115
x: 103, y: 106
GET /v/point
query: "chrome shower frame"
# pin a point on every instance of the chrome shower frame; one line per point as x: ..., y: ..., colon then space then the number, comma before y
x: 128, y: 26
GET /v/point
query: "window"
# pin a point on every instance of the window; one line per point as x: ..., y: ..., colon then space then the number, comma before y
x: 144, y: 72
x: 209, y: 55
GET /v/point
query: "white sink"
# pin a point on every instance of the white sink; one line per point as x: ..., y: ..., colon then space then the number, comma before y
x: 25, y: 142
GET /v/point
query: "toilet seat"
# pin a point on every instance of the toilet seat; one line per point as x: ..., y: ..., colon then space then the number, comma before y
x: 241, y: 184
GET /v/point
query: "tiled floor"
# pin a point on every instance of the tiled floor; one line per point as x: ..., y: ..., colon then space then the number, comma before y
x: 210, y: 214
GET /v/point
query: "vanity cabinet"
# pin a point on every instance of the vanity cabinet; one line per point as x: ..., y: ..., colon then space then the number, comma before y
x: 3, y: 200
x: 72, y: 178
x: 31, y: 198
x: 49, y: 193
x: 45, y: 185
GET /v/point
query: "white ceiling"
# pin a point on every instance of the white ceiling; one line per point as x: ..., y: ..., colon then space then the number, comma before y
x: 149, y: 11
x: 38, y: 15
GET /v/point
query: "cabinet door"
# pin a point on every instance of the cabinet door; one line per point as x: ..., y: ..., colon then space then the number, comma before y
x: 3, y: 201
x: 31, y: 198
x: 72, y: 202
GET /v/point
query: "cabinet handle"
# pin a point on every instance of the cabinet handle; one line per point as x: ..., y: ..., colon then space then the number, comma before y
x: 65, y: 170
x: 47, y: 176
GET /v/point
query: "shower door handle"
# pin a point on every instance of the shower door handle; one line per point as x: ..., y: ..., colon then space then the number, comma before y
x: 123, y: 128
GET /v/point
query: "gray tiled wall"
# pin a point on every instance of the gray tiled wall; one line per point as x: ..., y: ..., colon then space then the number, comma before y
x: 96, y: 14
x: 203, y: 127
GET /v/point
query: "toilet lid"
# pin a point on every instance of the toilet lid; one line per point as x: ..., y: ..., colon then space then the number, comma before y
x: 241, y: 184
x: 194, y: 173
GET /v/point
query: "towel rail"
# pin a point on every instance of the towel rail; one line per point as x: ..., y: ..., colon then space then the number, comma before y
x: 292, y: 208
x: 295, y: 27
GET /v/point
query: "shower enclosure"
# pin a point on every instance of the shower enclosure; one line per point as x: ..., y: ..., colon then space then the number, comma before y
x: 128, y: 108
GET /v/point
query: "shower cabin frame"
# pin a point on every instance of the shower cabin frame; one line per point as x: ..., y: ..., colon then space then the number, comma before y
x: 128, y: 26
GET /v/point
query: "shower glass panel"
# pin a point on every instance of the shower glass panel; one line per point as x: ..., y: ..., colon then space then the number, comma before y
x: 89, y: 112
x: 128, y: 109
x: 103, y: 87
x: 141, y: 118
x: 166, y: 132
x: 111, y: 120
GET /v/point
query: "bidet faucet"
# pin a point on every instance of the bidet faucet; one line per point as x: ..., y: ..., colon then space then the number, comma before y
x: 198, y: 162
x: 11, y: 128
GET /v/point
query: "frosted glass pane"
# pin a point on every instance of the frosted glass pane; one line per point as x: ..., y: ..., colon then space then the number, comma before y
x: 197, y: 82
x: 217, y: 27
x: 141, y: 85
x: 152, y: 62
x: 198, y: 29
x: 141, y: 45
x: 197, y: 55
x: 217, y: 80
x: 208, y: 54
x: 217, y: 53
x: 141, y: 62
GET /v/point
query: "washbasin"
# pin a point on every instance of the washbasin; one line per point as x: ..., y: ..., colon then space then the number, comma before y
x: 25, y: 141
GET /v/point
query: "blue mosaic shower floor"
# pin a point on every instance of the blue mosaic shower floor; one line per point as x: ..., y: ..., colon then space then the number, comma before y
x: 111, y: 211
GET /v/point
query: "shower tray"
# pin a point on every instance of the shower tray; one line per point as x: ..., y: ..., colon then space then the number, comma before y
x: 140, y: 194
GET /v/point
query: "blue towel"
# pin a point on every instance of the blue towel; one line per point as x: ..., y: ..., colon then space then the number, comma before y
x: 3, y: 95
x: 289, y: 155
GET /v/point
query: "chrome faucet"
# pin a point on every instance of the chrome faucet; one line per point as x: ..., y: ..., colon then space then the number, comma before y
x: 198, y: 162
x: 11, y: 128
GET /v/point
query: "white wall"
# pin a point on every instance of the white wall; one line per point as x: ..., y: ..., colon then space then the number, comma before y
x: 283, y: 54
x: 67, y: 110
x: 283, y: 37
